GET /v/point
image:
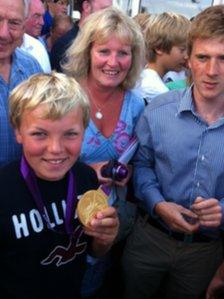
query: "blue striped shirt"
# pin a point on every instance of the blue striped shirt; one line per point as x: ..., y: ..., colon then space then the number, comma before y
x: 180, y: 156
x: 23, y: 66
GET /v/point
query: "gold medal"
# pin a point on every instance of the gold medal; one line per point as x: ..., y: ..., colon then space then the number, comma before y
x: 90, y: 203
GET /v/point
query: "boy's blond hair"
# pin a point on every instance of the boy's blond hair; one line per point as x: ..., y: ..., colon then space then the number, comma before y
x: 163, y: 31
x: 57, y: 92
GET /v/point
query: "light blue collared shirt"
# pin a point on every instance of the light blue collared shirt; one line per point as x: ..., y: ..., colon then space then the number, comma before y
x: 23, y: 66
x: 180, y: 156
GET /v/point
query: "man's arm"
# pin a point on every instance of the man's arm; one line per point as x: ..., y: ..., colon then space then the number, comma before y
x: 147, y: 186
x: 144, y: 177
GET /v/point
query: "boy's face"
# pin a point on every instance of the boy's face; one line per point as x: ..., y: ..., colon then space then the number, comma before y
x: 51, y: 147
x: 176, y: 59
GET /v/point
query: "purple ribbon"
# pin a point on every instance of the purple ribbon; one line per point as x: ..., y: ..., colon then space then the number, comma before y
x: 71, y: 198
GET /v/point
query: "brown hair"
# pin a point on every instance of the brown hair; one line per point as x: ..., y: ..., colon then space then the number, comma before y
x: 207, y: 24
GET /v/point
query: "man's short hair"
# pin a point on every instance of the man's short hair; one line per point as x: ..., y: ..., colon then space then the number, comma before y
x: 163, y: 31
x: 57, y: 92
x: 207, y: 24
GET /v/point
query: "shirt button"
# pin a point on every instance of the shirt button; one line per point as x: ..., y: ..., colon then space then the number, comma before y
x: 202, y: 158
x: 198, y: 184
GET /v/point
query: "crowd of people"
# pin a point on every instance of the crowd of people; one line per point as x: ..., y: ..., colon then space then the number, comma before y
x: 132, y: 108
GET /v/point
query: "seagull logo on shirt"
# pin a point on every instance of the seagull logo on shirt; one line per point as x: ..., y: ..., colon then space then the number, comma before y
x: 61, y: 255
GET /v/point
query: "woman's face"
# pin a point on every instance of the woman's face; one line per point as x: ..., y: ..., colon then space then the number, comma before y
x: 110, y: 62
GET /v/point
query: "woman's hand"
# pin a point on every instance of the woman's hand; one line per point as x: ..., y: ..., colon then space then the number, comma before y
x: 108, y: 181
x: 97, y: 167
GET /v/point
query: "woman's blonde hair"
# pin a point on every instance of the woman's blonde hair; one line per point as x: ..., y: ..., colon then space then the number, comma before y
x: 57, y: 92
x: 99, y: 27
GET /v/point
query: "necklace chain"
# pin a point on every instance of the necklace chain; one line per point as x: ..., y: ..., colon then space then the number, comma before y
x: 98, y: 114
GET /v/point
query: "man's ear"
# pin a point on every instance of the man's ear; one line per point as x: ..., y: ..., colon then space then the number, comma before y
x: 189, y: 63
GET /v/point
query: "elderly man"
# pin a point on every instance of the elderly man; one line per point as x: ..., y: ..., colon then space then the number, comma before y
x: 15, y: 66
x: 85, y: 7
x: 176, y: 246
x: 33, y: 26
x: 35, y: 21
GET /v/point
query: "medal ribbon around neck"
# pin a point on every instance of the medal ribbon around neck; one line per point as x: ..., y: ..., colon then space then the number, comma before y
x: 71, y: 198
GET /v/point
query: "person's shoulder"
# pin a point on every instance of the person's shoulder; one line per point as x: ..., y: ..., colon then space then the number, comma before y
x: 67, y: 37
x: 172, y: 97
x: 23, y: 55
x: 35, y: 47
x: 27, y: 62
x: 33, y: 41
x: 135, y: 100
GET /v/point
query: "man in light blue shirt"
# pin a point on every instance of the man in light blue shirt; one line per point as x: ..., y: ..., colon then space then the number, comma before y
x: 15, y: 66
x: 175, y: 247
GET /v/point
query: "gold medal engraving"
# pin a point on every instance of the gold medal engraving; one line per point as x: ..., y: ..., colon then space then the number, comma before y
x: 90, y: 203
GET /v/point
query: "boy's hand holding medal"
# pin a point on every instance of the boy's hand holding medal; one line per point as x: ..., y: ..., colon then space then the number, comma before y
x: 90, y: 203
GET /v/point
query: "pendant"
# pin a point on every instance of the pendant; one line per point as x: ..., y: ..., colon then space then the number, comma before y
x: 98, y: 115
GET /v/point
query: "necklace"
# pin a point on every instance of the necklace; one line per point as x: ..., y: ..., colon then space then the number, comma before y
x: 99, y: 114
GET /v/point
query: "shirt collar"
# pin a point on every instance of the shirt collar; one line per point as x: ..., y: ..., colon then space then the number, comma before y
x: 186, y: 102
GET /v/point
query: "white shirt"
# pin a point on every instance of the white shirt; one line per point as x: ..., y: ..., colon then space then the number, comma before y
x: 150, y: 85
x: 35, y: 48
x: 174, y: 76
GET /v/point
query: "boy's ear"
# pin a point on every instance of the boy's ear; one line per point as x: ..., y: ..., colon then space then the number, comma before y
x: 18, y: 136
x: 159, y: 52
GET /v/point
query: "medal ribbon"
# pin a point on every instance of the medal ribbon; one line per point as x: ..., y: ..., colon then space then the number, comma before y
x: 71, y: 198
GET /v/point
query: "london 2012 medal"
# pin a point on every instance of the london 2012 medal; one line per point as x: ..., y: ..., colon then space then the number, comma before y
x: 90, y: 203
